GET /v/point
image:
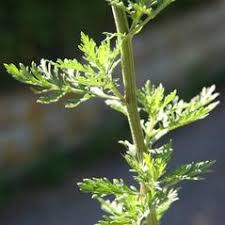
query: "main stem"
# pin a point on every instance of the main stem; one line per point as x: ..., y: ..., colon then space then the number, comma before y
x: 130, y: 89
x: 129, y: 80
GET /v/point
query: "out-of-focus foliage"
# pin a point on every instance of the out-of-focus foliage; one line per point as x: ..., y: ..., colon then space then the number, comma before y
x: 30, y: 27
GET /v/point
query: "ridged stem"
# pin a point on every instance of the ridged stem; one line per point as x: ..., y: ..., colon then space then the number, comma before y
x: 129, y: 80
x: 130, y: 89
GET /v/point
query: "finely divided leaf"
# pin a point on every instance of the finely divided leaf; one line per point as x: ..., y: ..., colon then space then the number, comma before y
x: 103, y: 187
x: 51, y: 98
x: 53, y: 80
x: 192, y: 171
x: 168, y: 112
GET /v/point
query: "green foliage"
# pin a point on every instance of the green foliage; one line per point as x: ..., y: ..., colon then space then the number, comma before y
x: 130, y: 206
x: 141, y: 11
x: 103, y: 187
x: 166, y: 113
x: 54, y: 80
x: 188, y: 172
x: 93, y: 77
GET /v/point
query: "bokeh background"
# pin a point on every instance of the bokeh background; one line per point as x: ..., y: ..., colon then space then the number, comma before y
x: 45, y: 150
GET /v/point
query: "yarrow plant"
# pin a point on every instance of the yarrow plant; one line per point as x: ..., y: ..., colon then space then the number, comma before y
x: 156, y: 187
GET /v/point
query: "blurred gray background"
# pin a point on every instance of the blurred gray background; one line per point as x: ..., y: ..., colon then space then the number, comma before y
x: 45, y: 150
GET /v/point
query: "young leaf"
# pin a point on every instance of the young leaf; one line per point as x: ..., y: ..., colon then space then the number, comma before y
x: 141, y: 11
x: 73, y: 103
x: 192, y: 171
x: 102, y: 187
x: 166, y: 113
x: 163, y: 201
x: 51, y: 98
x: 53, y: 80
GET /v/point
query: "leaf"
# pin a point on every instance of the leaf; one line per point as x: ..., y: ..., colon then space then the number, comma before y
x: 53, y: 80
x: 167, y: 112
x: 123, y: 210
x: 117, y: 105
x: 51, y: 98
x: 22, y: 74
x: 102, y: 187
x: 164, y: 152
x: 100, y: 62
x: 73, y: 103
x: 164, y: 201
x: 141, y: 11
x: 71, y: 64
x: 192, y: 171
x: 88, y: 47
x: 145, y: 172
x: 162, y: 157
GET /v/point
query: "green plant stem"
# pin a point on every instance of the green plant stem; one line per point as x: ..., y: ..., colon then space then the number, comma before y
x: 129, y: 80
x: 130, y: 89
x: 152, y: 218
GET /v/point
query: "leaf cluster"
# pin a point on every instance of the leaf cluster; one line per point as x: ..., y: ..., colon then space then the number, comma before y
x: 165, y: 112
x: 125, y: 204
x: 141, y: 11
x: 93, y: 78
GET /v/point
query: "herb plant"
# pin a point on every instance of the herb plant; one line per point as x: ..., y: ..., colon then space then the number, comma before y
x: 156, y: 188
